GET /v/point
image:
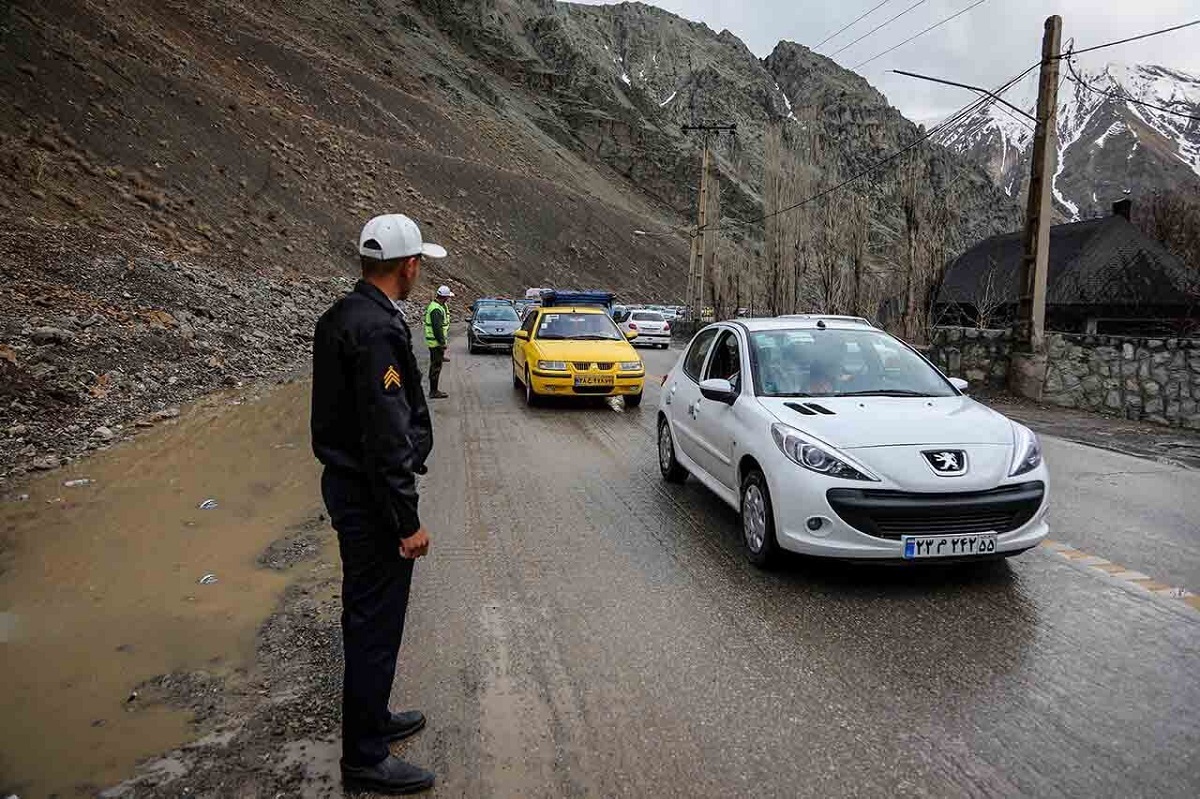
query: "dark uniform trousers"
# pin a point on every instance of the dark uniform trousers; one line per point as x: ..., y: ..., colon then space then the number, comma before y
x: 437, y: 355
x: 375, y: 584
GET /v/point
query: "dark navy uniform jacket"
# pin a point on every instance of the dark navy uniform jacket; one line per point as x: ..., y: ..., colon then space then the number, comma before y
x: 369, y: 415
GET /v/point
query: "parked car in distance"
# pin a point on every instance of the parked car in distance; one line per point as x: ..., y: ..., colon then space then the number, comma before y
x: 833, y: 438
x: 652, y: 327
x: 492, y: 327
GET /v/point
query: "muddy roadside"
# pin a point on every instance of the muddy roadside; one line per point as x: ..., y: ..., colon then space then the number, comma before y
x: 140, y: 619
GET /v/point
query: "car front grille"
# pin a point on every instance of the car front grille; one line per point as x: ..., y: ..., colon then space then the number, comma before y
x: 893, y: 514
x: 584, y: 366
x: 593, y: 389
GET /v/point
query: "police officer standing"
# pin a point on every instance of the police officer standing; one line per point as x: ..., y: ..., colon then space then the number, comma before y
x: 371, y: 430
x: 437, y: 332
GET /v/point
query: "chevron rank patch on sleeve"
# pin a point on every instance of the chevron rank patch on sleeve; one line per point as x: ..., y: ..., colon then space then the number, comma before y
x: 391, y: 379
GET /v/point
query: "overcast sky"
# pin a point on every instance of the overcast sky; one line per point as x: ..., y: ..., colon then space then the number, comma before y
x: 984, y: 46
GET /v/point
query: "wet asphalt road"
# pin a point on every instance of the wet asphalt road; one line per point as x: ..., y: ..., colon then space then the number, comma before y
x: 584, y: 629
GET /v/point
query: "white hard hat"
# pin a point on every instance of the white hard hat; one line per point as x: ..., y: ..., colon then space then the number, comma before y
x: 444, y: 291
x: 391, y: 236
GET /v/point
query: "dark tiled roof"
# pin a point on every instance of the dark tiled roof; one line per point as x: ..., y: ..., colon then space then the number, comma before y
x: 1096, y: 262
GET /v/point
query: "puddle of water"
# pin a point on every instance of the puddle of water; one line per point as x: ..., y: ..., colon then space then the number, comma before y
x: 100, y: 586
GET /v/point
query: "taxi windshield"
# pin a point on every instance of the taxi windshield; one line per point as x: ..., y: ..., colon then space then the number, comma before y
x: 574, y: 325
x: 840, y: 363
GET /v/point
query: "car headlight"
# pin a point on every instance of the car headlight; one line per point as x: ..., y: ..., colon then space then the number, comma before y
x: 553, y: 366
x: 811, y: 456
x: 1027, y: 454
x: 630, y: 366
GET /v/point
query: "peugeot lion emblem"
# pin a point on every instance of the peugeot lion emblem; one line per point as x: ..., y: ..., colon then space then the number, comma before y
x: 946, y: 462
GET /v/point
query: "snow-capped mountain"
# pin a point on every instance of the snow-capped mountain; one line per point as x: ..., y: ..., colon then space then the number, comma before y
x: 1108, y: 146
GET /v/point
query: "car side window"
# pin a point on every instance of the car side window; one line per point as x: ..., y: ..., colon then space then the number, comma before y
x: 693, y: 362
x: 726, y: 361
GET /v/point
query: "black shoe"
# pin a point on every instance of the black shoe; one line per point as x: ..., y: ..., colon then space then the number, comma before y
x: 390, y: 776
x: 435, y: 394
x: 404, y: 725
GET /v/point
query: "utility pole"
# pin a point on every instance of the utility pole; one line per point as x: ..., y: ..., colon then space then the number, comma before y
x: 1027, y: 371
x: 703, y: 242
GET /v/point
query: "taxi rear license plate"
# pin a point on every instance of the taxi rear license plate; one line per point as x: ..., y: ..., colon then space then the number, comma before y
x: 948, y: 546
x: 594, y: 380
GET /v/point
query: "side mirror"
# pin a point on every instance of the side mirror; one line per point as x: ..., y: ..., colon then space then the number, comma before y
x: 959, y: 383
x: 522, y: 334
x: 719, y: 390
x: 630, y: 335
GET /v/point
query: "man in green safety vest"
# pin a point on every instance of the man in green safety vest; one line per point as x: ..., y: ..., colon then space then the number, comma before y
x: 437, y: 332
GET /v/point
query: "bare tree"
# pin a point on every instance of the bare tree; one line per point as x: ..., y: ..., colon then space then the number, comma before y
x: 989, y: 298
x: 1173, y: 218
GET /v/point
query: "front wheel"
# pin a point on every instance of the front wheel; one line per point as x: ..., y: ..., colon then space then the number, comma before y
x: 531, y: 396
x: 633, y: 400
x: 516, y: 378
x: 758, y: 521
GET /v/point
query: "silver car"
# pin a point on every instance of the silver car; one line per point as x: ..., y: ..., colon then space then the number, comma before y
x: 492, y: 328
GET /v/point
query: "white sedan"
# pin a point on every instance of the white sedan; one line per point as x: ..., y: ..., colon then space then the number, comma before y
x: 831, y: 437
x: 652, y: 327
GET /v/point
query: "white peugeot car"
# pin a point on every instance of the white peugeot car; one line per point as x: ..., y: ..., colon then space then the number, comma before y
x: 832, y: 437
x: 652, y: 327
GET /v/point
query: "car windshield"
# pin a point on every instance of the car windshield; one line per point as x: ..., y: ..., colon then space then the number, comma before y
x: 840, y: 363
x: 496, y: 313
x: 595, y: 326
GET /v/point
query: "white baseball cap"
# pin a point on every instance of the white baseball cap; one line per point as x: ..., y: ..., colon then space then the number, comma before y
x: 395, y: 236
x: 444, y: 291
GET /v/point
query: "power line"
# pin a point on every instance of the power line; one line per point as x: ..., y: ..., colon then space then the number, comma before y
x: 914, y: 36
x: 968, y: 86
x: 954, y: 118
x: 850, y: 25
x: 881, y: 25
x: 1118, y: 96
x: 1130, y: 39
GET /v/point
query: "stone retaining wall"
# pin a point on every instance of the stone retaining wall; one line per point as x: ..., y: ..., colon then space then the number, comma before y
x: 1153, y: 379
x: 1157, y: 380
x: 979, y: 356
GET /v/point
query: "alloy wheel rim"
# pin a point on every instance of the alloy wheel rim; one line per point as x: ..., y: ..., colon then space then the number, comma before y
x: 664, y: 448
x: 754, y: 518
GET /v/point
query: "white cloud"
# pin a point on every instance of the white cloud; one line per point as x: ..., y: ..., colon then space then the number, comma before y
x: 984, y: 46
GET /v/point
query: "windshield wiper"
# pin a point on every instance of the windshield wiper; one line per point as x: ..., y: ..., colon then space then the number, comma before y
x: 886, y: 392
x: 545, y: 336
x: 594, y: 337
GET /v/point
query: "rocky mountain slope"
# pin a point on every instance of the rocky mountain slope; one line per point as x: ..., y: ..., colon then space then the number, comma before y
x: 184, y: 181
x: 1108, y: 144
x: 617, y: 82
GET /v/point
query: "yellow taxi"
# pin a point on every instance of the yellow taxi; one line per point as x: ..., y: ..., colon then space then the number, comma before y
x: 575, y: 350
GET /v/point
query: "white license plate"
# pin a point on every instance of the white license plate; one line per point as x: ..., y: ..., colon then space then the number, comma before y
x: 948, y: 546
x: 594, y: 380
